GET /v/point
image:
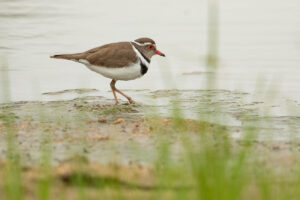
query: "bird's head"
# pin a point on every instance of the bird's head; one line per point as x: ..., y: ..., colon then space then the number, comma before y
x: 147, y: 47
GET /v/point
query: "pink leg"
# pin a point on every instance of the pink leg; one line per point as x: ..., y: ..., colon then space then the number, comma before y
x: 112, y: 85
x: 114, y: 89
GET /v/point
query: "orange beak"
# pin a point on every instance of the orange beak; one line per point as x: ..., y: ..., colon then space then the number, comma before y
x: 160, y: 53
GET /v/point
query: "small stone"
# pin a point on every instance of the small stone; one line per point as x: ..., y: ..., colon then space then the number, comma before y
x: 276, y: 148
x: 119, y: 121
x: 102, y: 120
x: 89, y: 121
x: 166, y: 120
x: 99, y: 138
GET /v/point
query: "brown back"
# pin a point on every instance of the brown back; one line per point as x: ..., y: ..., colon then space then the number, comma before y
x: 112, y: 55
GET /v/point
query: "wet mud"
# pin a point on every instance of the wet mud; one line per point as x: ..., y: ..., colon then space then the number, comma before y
x: 93, y: 127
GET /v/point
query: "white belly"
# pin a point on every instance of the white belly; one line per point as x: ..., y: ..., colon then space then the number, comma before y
x: 124, y: 73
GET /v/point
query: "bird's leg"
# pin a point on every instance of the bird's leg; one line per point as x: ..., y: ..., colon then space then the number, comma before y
x: 113, y: 88
x: 127, y: 97
x: 112, y: 84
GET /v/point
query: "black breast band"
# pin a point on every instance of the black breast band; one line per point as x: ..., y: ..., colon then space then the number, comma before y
x: 144, y: 68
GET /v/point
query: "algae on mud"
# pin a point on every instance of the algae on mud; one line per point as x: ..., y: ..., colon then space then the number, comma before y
x: 73, y: 128
x: 73, y: 125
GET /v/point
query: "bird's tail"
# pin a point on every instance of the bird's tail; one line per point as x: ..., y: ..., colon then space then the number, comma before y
x: 75, y: 56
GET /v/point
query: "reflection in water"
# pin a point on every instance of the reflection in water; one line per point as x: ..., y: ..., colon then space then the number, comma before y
x: 231, y: 108
x: 212, y: 34
x: 4, y: 82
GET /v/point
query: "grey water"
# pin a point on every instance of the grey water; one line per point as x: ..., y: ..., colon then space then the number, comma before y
x: 258, y: 47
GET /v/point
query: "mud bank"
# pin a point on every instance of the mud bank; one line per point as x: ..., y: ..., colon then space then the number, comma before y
x: 116, y: 148
x: 93, y: 127
x: 90, y: 126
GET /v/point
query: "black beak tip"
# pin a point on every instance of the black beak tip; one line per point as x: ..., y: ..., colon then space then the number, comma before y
x: 163, y: 55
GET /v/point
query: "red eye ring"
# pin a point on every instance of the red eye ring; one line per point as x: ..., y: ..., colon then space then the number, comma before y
x: 151, y: 47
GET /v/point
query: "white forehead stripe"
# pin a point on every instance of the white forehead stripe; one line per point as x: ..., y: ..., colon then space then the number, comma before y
x: 140, y: 44
x: 147, y: 43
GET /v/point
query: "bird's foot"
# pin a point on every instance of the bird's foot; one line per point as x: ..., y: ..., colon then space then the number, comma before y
x: 131, y: 101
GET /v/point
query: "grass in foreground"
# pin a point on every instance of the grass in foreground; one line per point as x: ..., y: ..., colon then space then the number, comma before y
x: 204, y: 163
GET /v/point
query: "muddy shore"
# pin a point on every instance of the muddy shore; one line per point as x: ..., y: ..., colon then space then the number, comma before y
x: 93, y: 127
x: 119, y: 144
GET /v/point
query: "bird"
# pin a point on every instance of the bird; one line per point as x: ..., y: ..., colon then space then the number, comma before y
x: 124, y: 61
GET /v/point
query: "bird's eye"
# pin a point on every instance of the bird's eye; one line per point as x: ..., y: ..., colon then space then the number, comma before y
x: 151, y: 47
